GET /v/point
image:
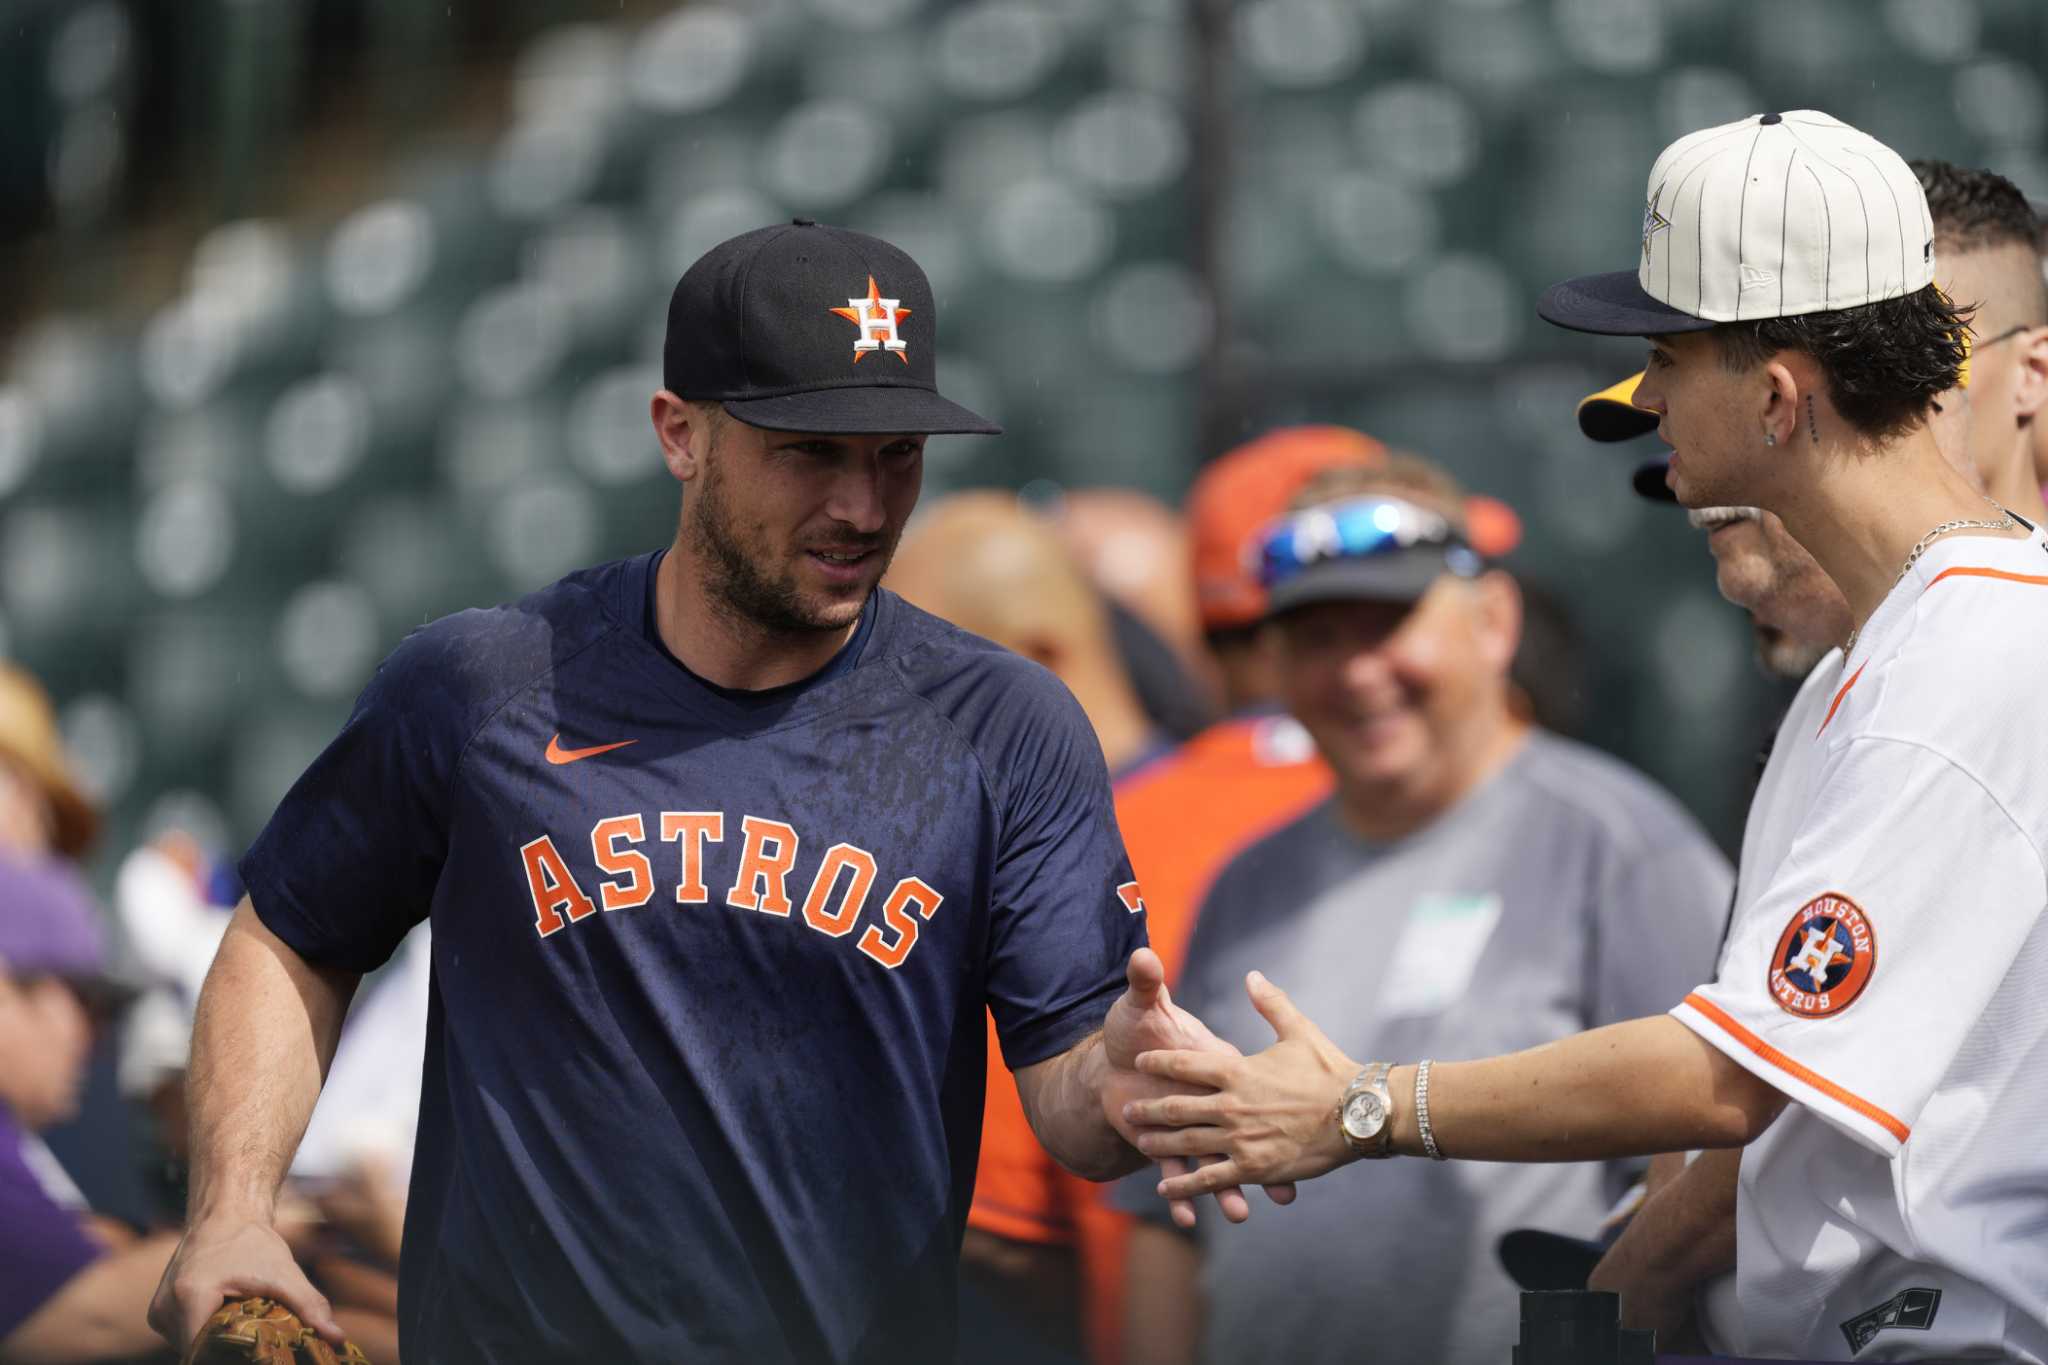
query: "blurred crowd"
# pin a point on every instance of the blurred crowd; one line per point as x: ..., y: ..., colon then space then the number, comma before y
x: 96, y: 1010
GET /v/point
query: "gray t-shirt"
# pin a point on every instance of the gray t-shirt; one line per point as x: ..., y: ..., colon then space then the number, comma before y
x: 1567, y: 892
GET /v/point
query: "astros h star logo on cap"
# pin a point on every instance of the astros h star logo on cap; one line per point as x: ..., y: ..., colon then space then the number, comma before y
x: 877, y: 319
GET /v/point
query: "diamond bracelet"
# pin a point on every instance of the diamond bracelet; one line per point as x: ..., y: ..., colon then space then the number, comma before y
x: 1422, y: 1112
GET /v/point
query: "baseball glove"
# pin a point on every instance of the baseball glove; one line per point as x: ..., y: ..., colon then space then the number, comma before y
x: 265, y: 1332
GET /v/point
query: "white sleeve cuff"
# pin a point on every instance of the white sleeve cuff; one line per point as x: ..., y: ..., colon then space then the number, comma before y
x: 1868, y: 1124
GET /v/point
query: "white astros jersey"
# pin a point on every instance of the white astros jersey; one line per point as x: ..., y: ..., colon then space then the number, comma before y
x: 1774, y: 816
x: 1889, y: 973
x: 1781, y: 791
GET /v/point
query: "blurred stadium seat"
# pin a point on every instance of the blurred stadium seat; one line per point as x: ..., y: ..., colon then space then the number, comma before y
x: 217, y: 515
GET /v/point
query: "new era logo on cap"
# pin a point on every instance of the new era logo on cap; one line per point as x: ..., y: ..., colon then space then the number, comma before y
x: 759, y: 324
x: 1777, y: 215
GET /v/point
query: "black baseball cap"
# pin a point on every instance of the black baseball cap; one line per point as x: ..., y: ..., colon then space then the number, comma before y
x: 1611, y: 416
x: 1648, y: 481
x: 803, y: 327
x: 1538, y: 1259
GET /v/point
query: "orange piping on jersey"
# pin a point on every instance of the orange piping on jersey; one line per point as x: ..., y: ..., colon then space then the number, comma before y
x: 1794, y: 1069
x: 2035, y: 579
x: 1836, y: 704
x: 1960, y: 572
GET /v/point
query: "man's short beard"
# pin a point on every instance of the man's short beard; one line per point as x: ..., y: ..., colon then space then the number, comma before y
x: 735, y: 583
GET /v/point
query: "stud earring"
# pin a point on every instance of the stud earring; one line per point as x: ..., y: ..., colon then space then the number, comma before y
x: 1770, y: 438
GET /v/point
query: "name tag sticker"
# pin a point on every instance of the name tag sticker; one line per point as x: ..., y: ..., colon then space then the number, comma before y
x: 1434, y: 958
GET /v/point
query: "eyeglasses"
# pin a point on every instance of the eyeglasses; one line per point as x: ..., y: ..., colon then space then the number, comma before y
x: 1357, y: 528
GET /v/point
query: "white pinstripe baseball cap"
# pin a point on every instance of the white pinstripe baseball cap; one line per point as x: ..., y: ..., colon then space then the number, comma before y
x: 1770, y: 217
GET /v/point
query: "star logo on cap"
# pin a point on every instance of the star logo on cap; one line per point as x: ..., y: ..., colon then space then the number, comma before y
x: 1653, y: 223
x: 877, y: 319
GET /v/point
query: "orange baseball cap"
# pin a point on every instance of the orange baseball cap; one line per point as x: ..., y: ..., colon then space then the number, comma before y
x: 1239, y: 493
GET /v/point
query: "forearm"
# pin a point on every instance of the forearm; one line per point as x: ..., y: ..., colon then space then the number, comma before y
x: 265, y: 1032
x: 1683, y: 1235
x: 1064, y: 1099
x: 1648, y: 1085
x: 99, y: 1313
x: 1664, y: 1168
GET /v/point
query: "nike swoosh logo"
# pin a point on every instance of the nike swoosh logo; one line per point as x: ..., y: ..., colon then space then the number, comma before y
x: 557, y: 754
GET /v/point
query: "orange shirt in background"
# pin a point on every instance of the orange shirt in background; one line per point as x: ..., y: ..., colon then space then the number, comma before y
x: 1183, y: 818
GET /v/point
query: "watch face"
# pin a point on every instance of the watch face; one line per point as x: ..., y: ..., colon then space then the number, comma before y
x: 1364, y: 1115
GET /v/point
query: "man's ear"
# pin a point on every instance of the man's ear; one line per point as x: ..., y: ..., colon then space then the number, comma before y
x: 680, y: 428
x: 1786, y: 383
x: 1500, y: 617
x: 2030, y: 395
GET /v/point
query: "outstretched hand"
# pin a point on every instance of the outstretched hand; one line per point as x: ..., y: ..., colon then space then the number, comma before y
x: 1272, y: 1115
x: 1145, y: 1020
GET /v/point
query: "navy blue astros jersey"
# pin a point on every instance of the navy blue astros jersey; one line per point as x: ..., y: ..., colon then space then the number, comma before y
x: 705, y: 1050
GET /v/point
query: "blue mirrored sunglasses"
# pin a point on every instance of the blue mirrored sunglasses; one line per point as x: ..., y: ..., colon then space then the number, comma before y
x: 1357, y: 528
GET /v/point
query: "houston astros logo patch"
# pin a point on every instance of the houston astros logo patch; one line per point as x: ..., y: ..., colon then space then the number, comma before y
x: 877, y: 319
x: 1824, y: 959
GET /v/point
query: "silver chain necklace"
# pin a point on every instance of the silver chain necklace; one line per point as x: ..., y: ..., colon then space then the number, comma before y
x: 2004, y: 523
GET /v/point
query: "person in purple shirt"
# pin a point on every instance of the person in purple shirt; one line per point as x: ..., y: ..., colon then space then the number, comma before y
x: 64, y: 1293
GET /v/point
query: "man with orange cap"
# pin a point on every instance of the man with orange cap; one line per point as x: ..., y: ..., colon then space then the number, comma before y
x: 1471, y: 879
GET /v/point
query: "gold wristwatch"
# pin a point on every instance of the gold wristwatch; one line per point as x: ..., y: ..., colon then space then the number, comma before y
x: 1365, y: 1114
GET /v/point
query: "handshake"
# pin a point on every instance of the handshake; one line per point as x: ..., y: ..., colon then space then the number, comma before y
x: 1214, y: 1119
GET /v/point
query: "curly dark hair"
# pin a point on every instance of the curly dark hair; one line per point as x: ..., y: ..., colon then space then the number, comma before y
x: 1883, y: 363
x: 1975, y: 209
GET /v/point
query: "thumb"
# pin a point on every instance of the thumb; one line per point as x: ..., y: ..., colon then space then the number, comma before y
x: 324, y: 1322
x: 1146, y: 975
x: 308, y: 1304
x: 1273, y: 1005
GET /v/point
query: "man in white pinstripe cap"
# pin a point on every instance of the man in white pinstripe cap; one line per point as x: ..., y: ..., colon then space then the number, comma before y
x: 1888, y: 1104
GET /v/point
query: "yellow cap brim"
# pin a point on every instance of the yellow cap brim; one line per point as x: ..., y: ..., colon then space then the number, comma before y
x: 1611, y: 414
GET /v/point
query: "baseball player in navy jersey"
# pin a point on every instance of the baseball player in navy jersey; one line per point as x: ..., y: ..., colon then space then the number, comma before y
x: 1873, y: 1033
x: 726, y: 852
